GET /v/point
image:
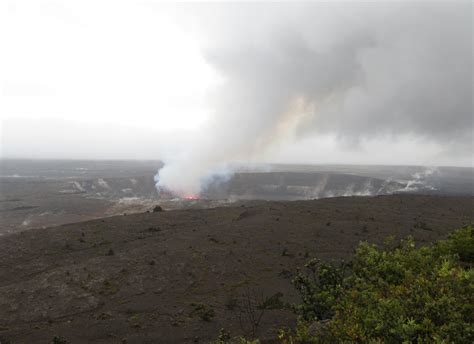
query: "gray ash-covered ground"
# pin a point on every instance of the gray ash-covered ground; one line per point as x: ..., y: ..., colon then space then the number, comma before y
x: 42, y: 193
x: 179, y: 276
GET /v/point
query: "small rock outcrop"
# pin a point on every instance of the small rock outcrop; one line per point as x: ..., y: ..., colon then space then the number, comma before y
x: 157, y: 209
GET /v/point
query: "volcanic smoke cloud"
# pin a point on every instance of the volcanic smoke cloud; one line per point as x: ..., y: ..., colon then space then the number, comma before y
x: 353, y: 71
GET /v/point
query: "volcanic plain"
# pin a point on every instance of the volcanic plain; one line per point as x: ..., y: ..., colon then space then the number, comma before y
x: 180, y: 276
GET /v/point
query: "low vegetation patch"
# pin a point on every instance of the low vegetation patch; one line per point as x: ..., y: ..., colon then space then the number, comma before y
x: 203, y: 311
x: 135, y: 321
x: 401, y: 294
x: 59, y: 340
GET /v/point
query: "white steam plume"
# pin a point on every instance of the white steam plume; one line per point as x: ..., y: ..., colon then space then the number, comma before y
x: 361, y: 70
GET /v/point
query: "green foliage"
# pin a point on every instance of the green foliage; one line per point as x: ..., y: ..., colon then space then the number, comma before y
x: 59, y: 340
x: 400, y: 295
x: 320, y: 285
x: 108, y: 288
x: 135, y: 321
x: 272, y: 302
x: 203, y: 311
x: 225, y: 338
x: 460, y: 242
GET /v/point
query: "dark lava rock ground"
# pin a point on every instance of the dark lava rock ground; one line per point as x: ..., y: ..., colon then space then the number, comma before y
x: 180, y: 276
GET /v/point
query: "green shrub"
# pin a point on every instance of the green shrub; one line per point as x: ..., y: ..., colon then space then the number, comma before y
x: 225, y: 338
x: 272, y: 302
x: 460, y: 242
x: 59, y: 340
x: 236, y: 340
x: 203, y: 311
x: 399, y: 295
x: 319, y: 286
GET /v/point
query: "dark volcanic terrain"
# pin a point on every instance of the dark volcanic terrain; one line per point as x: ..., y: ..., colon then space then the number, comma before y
x: 46, y: 193
x: 179, y: 276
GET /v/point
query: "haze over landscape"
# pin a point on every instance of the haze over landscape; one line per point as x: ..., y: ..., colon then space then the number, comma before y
x: 201, y: 172
x: 202, y: 86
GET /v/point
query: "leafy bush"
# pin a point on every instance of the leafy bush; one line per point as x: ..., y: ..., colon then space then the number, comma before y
x: 461, y: 243
x: 319, y: 287
x: 59, y: 340
x: 272, y: 302
x: 399, y: 295
x: 225, y: 338
x: 203, y: 311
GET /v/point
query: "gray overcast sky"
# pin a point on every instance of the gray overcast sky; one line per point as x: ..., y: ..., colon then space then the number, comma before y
x: 203, y: 85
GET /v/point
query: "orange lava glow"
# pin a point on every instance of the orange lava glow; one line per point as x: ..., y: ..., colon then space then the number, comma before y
x: 191, y: 197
